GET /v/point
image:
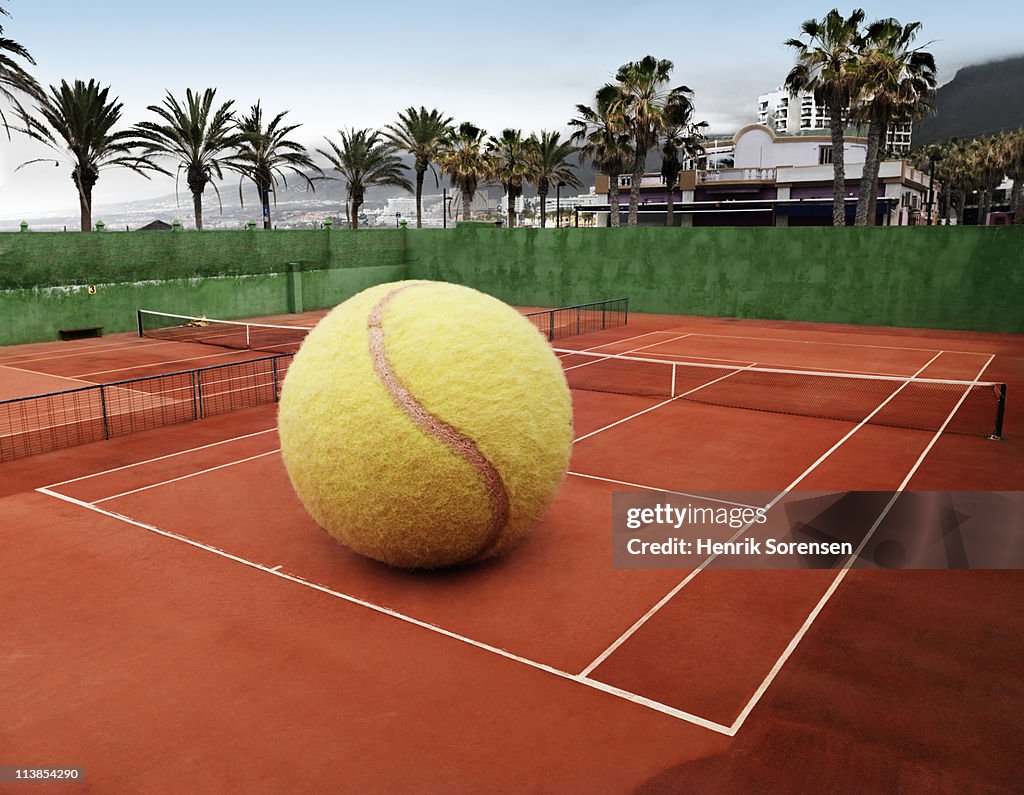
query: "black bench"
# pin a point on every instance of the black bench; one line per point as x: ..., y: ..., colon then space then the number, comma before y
x: 80, y: 333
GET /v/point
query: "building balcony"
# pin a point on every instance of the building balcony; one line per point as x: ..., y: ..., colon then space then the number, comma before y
x: 720, y: 175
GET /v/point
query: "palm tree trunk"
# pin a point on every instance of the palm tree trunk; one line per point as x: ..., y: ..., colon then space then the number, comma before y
x: 634, y: 189
x: 613, y: 200
x: 984, y: 206
x: 1015, y: 195
x: 883, y: 133
x: 868, y: 176
x: 356, y: 204
x: 419, y: 197
x: 838, y: 166
x: 511, y: 210
x: 467, y: 202
x: 265, y: 201
x: 197, y: 209
x: 84, y: 189
x: 85, y: 207
x: 670, y: 202
x: 543, y: 194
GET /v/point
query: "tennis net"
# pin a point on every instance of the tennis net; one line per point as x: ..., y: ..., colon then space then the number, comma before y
x: 922, y: 403
x: 225, y: 333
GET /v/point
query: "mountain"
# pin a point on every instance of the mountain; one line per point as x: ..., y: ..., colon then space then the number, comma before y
x: 984, y: 99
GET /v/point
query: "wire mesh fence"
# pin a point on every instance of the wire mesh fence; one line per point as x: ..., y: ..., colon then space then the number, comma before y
x: 43, y: 423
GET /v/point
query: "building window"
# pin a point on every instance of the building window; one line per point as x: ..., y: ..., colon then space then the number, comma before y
x: 824, y: 155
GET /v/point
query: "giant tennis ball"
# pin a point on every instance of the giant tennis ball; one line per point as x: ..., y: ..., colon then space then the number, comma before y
x: 425, y: 424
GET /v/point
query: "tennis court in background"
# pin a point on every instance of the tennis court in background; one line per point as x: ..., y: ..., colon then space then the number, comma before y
x: 168, y: 584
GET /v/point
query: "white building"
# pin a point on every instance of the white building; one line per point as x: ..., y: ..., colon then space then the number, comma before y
x: 784, y: 112
x: 775, y: 179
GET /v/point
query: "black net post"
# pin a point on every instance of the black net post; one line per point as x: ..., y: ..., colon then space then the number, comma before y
x: 1000, y: 411
x: 138, y: 320
x: 103, y: 411
x: 274, y: 368
x: 195, y: 394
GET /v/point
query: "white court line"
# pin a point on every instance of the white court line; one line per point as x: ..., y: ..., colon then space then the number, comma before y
x: 628, y: 339
x: 843, y: 344
x: 189, y: 475
x: 655, y: 488
x: 659, y: 405
x: 49, y: 375
x: 135, y: 343
x: 160, y: 458
x: 784, y: 657
x: 169, y: 361
x: 657, y: 706
x: 686, y: 580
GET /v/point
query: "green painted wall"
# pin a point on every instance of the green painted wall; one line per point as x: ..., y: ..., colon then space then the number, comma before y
x: 947, y: 277
x: 225, y: 274
x: 939, y: 277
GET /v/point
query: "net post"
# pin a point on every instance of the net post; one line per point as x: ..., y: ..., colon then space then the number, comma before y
x: 199, y: 395
x: 248, y: 341
x: 577, y: 321
x: 195, y: 394
x: 103, y: 410
x: 551, y: 326
x: 138, y: 320
x: 674, y: 368
x: 604, y: 310
x: 997, y: 433
x: 274, y: 367
x: 625, y: 311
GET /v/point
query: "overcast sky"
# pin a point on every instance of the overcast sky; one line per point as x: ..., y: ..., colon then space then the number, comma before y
x: 333, y: 64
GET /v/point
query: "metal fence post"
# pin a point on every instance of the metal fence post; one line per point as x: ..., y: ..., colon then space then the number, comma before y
x: 103, y: 409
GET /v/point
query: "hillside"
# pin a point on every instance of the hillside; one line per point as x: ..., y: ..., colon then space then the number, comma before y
x: 980, y: 100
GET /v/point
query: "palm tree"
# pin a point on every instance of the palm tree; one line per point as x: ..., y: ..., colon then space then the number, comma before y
x: 897, y: 81
x: 602, y: 137
x: 952, y: 170
x: 1014, y: 157
x: 641, y: 100
x: 826, y: 65
x: 77, y: 122
x: 681, y: 140
x: 988, y: 166
x: 200, y: 137
x: 14, y: 79
x: 549, y: 163
x: 466, y: 162
x: 364, y: 159
x: 512, y: 166
x: 421, y: 133
x: 263, y: 154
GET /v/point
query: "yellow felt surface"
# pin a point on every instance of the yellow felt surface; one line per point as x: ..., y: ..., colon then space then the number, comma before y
x: 374, y: 479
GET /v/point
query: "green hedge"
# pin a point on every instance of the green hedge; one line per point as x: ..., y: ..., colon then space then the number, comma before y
x: 50, y: 259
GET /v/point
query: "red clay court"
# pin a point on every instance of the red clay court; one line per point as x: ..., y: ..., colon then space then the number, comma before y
x: 174, y: 621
